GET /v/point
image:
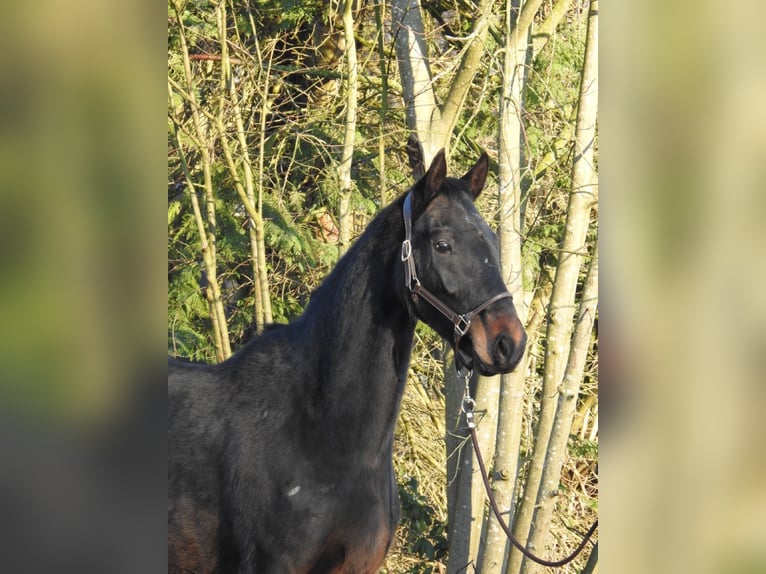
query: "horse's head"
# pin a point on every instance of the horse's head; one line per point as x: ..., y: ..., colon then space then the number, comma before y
x: 452, y: 268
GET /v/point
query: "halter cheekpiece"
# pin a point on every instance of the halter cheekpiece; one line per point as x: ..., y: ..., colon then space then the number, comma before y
x: 460, y: 321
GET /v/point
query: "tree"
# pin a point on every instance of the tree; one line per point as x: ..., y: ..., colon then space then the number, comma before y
x: 344, y: 170
x: 518, y: 24
x: 564, y: 354
x: 433, y: 123
x: 245, y: 185
x: 206, y: 227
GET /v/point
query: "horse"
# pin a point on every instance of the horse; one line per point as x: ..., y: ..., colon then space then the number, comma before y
x: 280, y: 457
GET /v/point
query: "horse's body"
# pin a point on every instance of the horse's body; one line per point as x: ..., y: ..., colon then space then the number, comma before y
x: 280, y: 458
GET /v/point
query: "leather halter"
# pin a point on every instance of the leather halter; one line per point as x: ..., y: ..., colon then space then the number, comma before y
x: 461, y: 321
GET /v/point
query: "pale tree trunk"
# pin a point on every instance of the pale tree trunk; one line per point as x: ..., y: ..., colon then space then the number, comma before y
x: 581, y: 421
x: 545, y: 31
x: 565, y: 410
x: 261, y: 278
x: 510, y: 404
x: 464, y: 504
x: 415, y: 75
x: 255, y: 229
x: 204, y: 242
x: 262, y: 296
x: 466, y: 521
x: 518, y: 23
x: 434, y: 124
x: 465, y: 500
x: 561, y: 308
x: 345, y: 217
x: 208, y: 231
x: 252, y: 212
x: 380, y: 8
x: 486, y: 545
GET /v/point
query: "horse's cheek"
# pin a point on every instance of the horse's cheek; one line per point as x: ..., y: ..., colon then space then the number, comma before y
x: 449, y: 278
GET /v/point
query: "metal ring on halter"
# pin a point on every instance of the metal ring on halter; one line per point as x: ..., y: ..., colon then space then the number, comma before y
x: 463, y: 372
x: 406, y: 249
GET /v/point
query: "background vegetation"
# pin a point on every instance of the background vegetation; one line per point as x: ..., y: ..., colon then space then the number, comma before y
x: 258, y: 119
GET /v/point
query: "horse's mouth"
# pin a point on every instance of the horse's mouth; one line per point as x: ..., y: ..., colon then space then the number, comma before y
x: 463, y: 358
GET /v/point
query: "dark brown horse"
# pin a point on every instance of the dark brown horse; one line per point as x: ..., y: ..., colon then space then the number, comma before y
x: 280, y: 457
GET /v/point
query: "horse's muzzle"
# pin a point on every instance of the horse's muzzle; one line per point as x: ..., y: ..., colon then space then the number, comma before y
x: 497, y: 343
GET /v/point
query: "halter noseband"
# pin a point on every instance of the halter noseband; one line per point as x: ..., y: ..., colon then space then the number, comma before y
x: 461, y: 322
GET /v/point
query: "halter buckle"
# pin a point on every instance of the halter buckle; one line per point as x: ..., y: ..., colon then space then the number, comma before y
x: 461, y: 326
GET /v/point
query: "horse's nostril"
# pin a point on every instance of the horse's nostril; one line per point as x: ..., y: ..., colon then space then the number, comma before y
x: 503, y: 349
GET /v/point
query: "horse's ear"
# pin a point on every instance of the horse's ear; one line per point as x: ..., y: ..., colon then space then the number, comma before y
x: 429, y: 185
x: 436, y: 174
x: 477, y: 176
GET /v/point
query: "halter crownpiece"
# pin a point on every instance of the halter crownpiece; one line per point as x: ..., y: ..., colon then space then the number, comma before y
x: 461, y: 322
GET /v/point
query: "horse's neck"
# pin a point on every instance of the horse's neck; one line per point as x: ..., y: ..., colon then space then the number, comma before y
x: 363, y: 337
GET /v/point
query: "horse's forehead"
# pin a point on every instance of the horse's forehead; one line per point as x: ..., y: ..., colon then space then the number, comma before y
x: 450, y: 210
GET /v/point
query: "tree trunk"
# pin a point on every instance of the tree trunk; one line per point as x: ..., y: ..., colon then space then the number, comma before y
x: 415, y: 74
x: 262, y: 278
x: 434, y: 124
x: 543, y: 34
x: 561, y: 308
x: 469, y: 66
x: 207, y: 239
x: 380, y: 8
x: 518, y: 22
x: 255, y: 229
x: 565, y: 411
x: 469, y: 495
x: 462, y: 512
x: 204, y: 243
x: 345, y: 217
x: 510, y: 404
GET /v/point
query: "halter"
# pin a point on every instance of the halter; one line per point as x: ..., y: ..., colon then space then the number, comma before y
x: 461, y: 322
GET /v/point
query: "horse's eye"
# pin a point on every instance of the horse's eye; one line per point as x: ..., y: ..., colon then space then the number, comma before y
x: 442, y: 246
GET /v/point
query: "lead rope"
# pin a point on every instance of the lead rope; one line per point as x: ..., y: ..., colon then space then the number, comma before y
x: 468, y: 407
